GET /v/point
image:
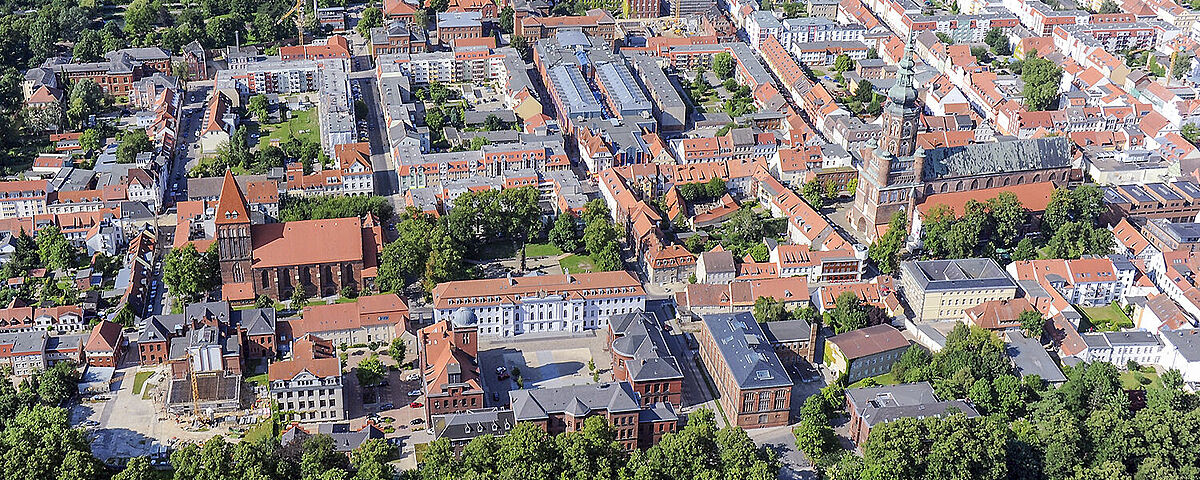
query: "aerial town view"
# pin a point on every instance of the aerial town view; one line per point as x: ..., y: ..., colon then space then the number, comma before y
x: 600, y: 239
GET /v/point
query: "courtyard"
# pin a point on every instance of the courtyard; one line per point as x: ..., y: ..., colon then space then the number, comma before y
x: 543, y: 360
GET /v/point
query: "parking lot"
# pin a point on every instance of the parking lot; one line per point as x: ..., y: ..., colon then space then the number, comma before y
x: 545, y: 361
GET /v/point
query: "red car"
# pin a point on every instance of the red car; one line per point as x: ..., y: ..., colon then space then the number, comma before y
x: 416, y: 405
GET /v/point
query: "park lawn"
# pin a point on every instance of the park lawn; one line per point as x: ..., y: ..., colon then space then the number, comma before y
x: 1108, y: 318
x: 576, y: 264
x: 541, y: 250
x: 302, y: 120
x: 885, y: 379
x: 139, y: 380
x: 1129, y: 380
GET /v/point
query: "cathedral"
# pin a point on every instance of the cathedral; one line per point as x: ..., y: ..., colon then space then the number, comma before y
x: 274, y: 259
x: 896, y: 174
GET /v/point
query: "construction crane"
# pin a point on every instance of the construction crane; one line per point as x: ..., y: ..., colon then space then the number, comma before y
x: 298, y: 10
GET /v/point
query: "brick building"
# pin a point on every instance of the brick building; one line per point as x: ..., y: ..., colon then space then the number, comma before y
x: 755, y: 389
x: 597, y: 23
x: 104, y: 345
x: 309, y: 385
x: 447, y: 357
x: 564, y: 409
x: 274, y: 259
x: 209, y: 336
x: 119, y: 70
x: 640, y: 356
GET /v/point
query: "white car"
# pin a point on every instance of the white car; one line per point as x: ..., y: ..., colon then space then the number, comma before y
x: 415, y: 393
x: 412, y: 377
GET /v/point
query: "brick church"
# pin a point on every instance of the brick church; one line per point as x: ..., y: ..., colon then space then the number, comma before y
x: 274, y: 259
x: 896, y: 173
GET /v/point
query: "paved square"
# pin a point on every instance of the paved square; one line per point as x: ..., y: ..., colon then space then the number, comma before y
x: 551, y: 368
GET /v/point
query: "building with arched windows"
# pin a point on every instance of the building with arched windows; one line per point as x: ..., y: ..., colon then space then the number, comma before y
x: 897, y: 174
x: 274, y: 259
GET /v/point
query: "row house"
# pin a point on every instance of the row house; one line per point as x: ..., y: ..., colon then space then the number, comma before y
x: 308, y: 387
x: 417, y: 170
x: 1088, y: 281
x: 738, y: 144
x: 30, y: 353
x: 755, y: 388
x: 397, y: 38
x: 353, y: 175
x: 806, y: 226
x: 818, y: 266
x: 595, y: 23
x: 23, y: 318
x: 23, y: 198
x: 208, y: 337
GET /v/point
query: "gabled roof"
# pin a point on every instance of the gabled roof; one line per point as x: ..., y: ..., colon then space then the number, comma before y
x: 231, y: 208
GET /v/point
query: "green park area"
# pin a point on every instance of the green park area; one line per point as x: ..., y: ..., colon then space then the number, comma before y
x: 576, y: 264
x: 302, y: 125
x: 1109, y: 318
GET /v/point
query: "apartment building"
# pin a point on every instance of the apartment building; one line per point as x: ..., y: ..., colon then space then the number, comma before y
x: 755, y: 389
x: 453, y: 26
x: 596, y: 23
x: 1119, y: 348
x: 105, y: 345
x: 872, y: 406
x: 353, y: 174
x: 940, y: 290
x: 308, y: 387
x: 119, y: 70
x: 1175, y: 202
x: 397, y: 38
x: 1167, y: 236
x: 1088, y: 281
x: 547, y: 303
x: 29, y: 353
x: 208, y: 336
x: 23, y: 198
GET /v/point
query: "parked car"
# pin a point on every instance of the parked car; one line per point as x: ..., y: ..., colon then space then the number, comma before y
x: 418, y: 421
x: 416, y: 405
x: 387, y: 406
x: 501, y: 369
x: 412, y: 377
x: 415, y: 393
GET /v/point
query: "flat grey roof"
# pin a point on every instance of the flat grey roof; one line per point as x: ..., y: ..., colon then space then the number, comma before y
x: 1030, y: 358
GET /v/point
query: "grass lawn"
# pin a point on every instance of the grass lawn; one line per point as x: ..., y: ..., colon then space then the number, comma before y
x: 1133, y: 380
x: 302, y: 120
x: 541, y: 250
x: 1108, y: 318
x: 260, y: 430
x: 260, y: 379
x: 885, y: 379
x: 495, y: 251
x: 576, y: 264
x: 139, y: 380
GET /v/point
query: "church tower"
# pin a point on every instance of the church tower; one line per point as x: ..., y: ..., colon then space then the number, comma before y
x: 234, y: 246
x: 902, y: 115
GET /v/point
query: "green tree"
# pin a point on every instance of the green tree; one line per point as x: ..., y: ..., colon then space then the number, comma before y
x: 521, y: 45
x: 996, y: 39
x: 1109, y: 6
x: 299, y: 297
x: 54, y: 249
x: 91, y: 139
x: 1042, y: 78
x: 371, y: 371
x: 843, y: 63
x: 768, y: 309
x: 138, y: 468
x: 1032, y: 323
x: 372, y: 17
x: 125, y: 316
x: 1183, y: 63
x: 397, y: 349
x: 404, y: 258
x: 190, y: 274
x: 1190, y: 132
x: 141, y: 16
x: 259, y: 106
x: 86, y: 99
x: 813, y: 193
x: 1007, y: 216
x: 565, y: 233
x: 849, y: 313
x: 446, y: 259
x: 370, y: 460
x: 723, y: 65
x: 506, y: 19
x: 884, y: 252
x: 608, y: 259
x: 89, y: 48
x: 132, y: 143
x: 263, y: 301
